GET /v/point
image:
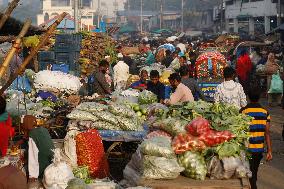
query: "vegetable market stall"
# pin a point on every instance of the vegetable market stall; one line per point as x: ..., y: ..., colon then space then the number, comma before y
x: 186, y: 183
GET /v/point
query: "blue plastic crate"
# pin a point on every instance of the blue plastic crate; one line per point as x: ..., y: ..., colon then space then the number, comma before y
x: 61, y: 67
x: 46, y: 56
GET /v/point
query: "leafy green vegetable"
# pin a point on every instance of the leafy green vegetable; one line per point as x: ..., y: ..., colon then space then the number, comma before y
x: 228, y: 149
x: 147, y: 97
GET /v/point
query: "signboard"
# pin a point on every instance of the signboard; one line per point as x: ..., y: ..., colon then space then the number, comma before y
x: 209, y: 89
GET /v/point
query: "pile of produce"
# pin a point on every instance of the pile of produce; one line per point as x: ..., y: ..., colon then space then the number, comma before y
x: 117, y: 117
x: 95, y: 46
x: 57, y: 81
x: 147, y: 97
x: 206, y: 137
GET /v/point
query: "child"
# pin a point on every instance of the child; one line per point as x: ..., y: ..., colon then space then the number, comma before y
x: 6, y: 129
x: 40, y: 148
x: 259, y: 131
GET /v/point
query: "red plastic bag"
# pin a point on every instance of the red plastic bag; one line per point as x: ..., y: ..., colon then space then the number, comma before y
x: 186, y: 142
x: 198, y: 126
x: 90, y: 152
x: 213, y: 138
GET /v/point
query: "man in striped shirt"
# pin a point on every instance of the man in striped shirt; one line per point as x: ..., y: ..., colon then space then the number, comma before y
x: 259, y: 133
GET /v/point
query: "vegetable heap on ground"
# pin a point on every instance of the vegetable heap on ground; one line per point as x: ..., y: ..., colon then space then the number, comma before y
x: 205, y: 132
x: 105, y: 117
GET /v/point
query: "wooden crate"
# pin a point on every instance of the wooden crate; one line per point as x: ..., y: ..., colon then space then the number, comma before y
x: 186, y: 183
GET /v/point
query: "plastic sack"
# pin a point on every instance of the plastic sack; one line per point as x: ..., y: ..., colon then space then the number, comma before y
x: 161, y: 168
x: 91, y: 107
x: 215, y: 168
x: 130, y: 124
x: 76, y: 184
x: 121, y: 110
x: 198, y: 126
x: 173, y: 126
x: 276, y: 84
x: 186, y: 142
x: 230, y: 165
x: 158, y: 133
x: 58, y: 174
x: 90, y: 152
x: 213, y: 138
x: 194, y: 165
x: 102, y: 185
x: 158, y: 146
x: 82, y: 115
x: 70, y: 147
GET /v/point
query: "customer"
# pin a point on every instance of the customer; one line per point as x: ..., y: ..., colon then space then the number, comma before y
x: 155, y: 86
x: 244, y: 68
x: 101, y: 86
x: 40, y: 148
x: 181, y: 92
x: 168, y: 59
x: 230, y: 91
x: 259, y: 131
x: 121, y: 74
x: 191, y: 83
x: 6, y: 129
x: 142, y: 83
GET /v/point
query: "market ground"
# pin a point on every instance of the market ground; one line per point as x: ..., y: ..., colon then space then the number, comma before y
x: 271, y: 174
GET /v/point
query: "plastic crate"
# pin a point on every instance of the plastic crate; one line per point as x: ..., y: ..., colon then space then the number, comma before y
x: 61, y: 67
x: 46, y: 56
x: 68, y: 42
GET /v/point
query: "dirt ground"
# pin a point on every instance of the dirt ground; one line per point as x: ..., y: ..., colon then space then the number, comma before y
x: 271, y: 174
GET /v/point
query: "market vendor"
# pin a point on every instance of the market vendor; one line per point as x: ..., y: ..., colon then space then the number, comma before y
x: 40, y: 148
x: 101, y: 86
x: 142, y: 83
x: 155, y: 86
x: 121, y: 73
x: 6, y: 129
x: 181, y: 92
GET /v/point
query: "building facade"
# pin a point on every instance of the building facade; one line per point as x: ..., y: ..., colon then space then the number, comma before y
x: 250, y: 17
x: 88, y: 12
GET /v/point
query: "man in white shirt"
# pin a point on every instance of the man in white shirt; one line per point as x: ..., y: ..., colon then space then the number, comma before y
x: 230, y: 91
x: 121, y: 74
x: 182, y: 93
x: 181, y: 46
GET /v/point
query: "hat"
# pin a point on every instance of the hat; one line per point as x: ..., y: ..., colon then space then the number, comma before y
x: 120, y: 55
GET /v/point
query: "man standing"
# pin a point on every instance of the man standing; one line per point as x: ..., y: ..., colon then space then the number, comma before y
x: 191, y: 83
x: 230, y: 91
x: 181, y: 92
x: 155, y: 86
x: 121, y: 74
x: 101, y: 86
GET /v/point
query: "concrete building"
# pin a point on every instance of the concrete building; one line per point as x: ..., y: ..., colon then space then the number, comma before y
x: 250, y: 17
x: 89, y: 9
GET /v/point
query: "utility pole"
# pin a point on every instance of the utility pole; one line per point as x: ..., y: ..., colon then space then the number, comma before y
x: 161, y: 14
x: 141, y: 17
x: 182, y: 15
x: 221, y: 17
x: 99, y: 13
x: 76, y: 16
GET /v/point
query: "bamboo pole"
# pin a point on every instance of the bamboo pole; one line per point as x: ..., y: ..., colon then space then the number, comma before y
x: 14, y: 47
x: 8, y: 12
x: 34, y: 51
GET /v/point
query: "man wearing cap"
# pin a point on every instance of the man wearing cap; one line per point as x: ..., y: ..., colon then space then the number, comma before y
x: 121, y: 74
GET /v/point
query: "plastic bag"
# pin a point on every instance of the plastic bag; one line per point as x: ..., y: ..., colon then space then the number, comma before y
x: 70, y: 146
x: 173, y: 126
x: 213, y: 138
x: 158, y: 133
x: 91, y: 107
x: 82, y: 116
x: 161, y: 168
x: 230, y: 165
x: 215, y: 168
x: 186, y: 142
x: 194, y: 165
x: 158, y: 146
x: 121, y: 110
x: 58, y: 174
x: 130, y: 124
x: 276, y: 84
x: 90, y: 152
x: 198, y: 126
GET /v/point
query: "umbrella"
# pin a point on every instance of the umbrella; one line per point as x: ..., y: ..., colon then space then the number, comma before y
x: 167, y: 47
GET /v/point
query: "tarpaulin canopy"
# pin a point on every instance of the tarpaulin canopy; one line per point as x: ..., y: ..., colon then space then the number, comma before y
x: 127, y: 29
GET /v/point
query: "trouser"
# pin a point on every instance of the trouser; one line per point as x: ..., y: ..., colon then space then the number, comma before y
x: 254, y: 165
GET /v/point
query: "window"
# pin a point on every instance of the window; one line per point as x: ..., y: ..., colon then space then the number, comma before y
x: 231, y: 2
x: 255, y: 0
x: 86, y: 3
x: 259, y: 27
x: 60, y: 3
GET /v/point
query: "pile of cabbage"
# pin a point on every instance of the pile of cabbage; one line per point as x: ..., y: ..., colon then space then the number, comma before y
x: 116, y: 117
x: 57, y: 81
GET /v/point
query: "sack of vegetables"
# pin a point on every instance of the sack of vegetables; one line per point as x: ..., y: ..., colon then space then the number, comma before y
x: 194, y: 164
x: 186, y: 142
